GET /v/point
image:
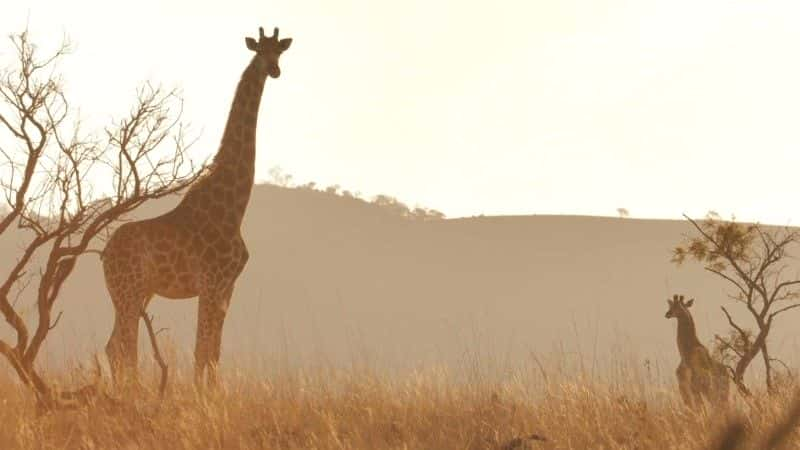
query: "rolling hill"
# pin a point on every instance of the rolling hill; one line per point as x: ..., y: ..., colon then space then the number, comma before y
x: 337, y: 280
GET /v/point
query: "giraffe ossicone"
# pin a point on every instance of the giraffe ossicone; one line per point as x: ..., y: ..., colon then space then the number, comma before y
x: 195, y: 250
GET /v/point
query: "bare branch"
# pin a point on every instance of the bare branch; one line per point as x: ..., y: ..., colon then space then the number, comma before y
x: 731, y: 280
x: 732, y: 323
x: 727, y: 345
x: 781, y: 286
x: 55, y: 323
x: 784, y: 309
x: 148, y: 322
x: 45, y: 180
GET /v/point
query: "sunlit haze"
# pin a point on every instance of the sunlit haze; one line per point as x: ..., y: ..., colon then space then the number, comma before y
x: 503, y: 107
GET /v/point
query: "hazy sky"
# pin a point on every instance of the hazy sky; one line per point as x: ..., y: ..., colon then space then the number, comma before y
x: 502, y: 107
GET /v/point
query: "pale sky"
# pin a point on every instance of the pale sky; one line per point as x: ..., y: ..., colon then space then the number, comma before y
x: 501, y: 107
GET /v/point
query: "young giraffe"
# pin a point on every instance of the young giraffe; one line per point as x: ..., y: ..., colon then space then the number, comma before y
x: 195, y: 250
x: 699, y: 375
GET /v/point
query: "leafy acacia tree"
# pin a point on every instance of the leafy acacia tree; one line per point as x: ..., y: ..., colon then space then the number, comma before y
x: 64, y: 188
x: 755, y: 262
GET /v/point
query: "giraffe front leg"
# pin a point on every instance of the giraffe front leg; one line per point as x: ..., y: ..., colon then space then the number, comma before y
x: 212, y: 310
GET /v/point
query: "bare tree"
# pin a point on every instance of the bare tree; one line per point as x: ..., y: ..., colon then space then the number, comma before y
x: 425, y: 214
x: 391, y: 204
x: 278, y: 177
x: 52, y: 177
x: 623, y: 213
x: 754, y: 261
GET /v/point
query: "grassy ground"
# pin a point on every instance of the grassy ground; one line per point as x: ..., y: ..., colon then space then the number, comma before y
x: 336, y: 409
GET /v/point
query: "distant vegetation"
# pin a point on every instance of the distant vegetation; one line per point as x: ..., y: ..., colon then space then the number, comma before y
x: 388, y: 203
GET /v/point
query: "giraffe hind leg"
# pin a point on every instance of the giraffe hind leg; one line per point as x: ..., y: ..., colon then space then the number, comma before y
x: 122, y: 348
x: 723, y: 384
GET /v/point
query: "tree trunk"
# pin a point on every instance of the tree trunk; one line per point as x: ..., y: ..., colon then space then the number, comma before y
x: 749, y: 355
x: 767, y: 366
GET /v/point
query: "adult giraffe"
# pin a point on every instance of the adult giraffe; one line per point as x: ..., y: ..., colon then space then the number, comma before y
x: 195, y: 250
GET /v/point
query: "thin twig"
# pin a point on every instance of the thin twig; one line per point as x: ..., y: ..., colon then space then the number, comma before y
x: 55, y: 322
x: 148, y: 321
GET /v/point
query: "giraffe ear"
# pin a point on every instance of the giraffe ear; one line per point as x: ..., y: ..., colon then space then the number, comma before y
x: 284, y: 44
x: 251, y: 44
x: 689, y: 303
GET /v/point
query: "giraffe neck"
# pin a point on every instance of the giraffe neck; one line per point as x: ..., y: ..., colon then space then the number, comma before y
x: 229, y: 183
x: 239, y: 139
x: 687, y: 336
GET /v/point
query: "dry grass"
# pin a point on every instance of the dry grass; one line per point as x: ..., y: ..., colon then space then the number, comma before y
x: 335, y: 409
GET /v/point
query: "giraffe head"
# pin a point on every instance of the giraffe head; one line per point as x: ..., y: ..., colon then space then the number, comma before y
x: 678, y: 307
x: 269, y: 49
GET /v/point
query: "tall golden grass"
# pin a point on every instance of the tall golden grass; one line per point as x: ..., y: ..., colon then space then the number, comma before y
x: 363, y: 408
